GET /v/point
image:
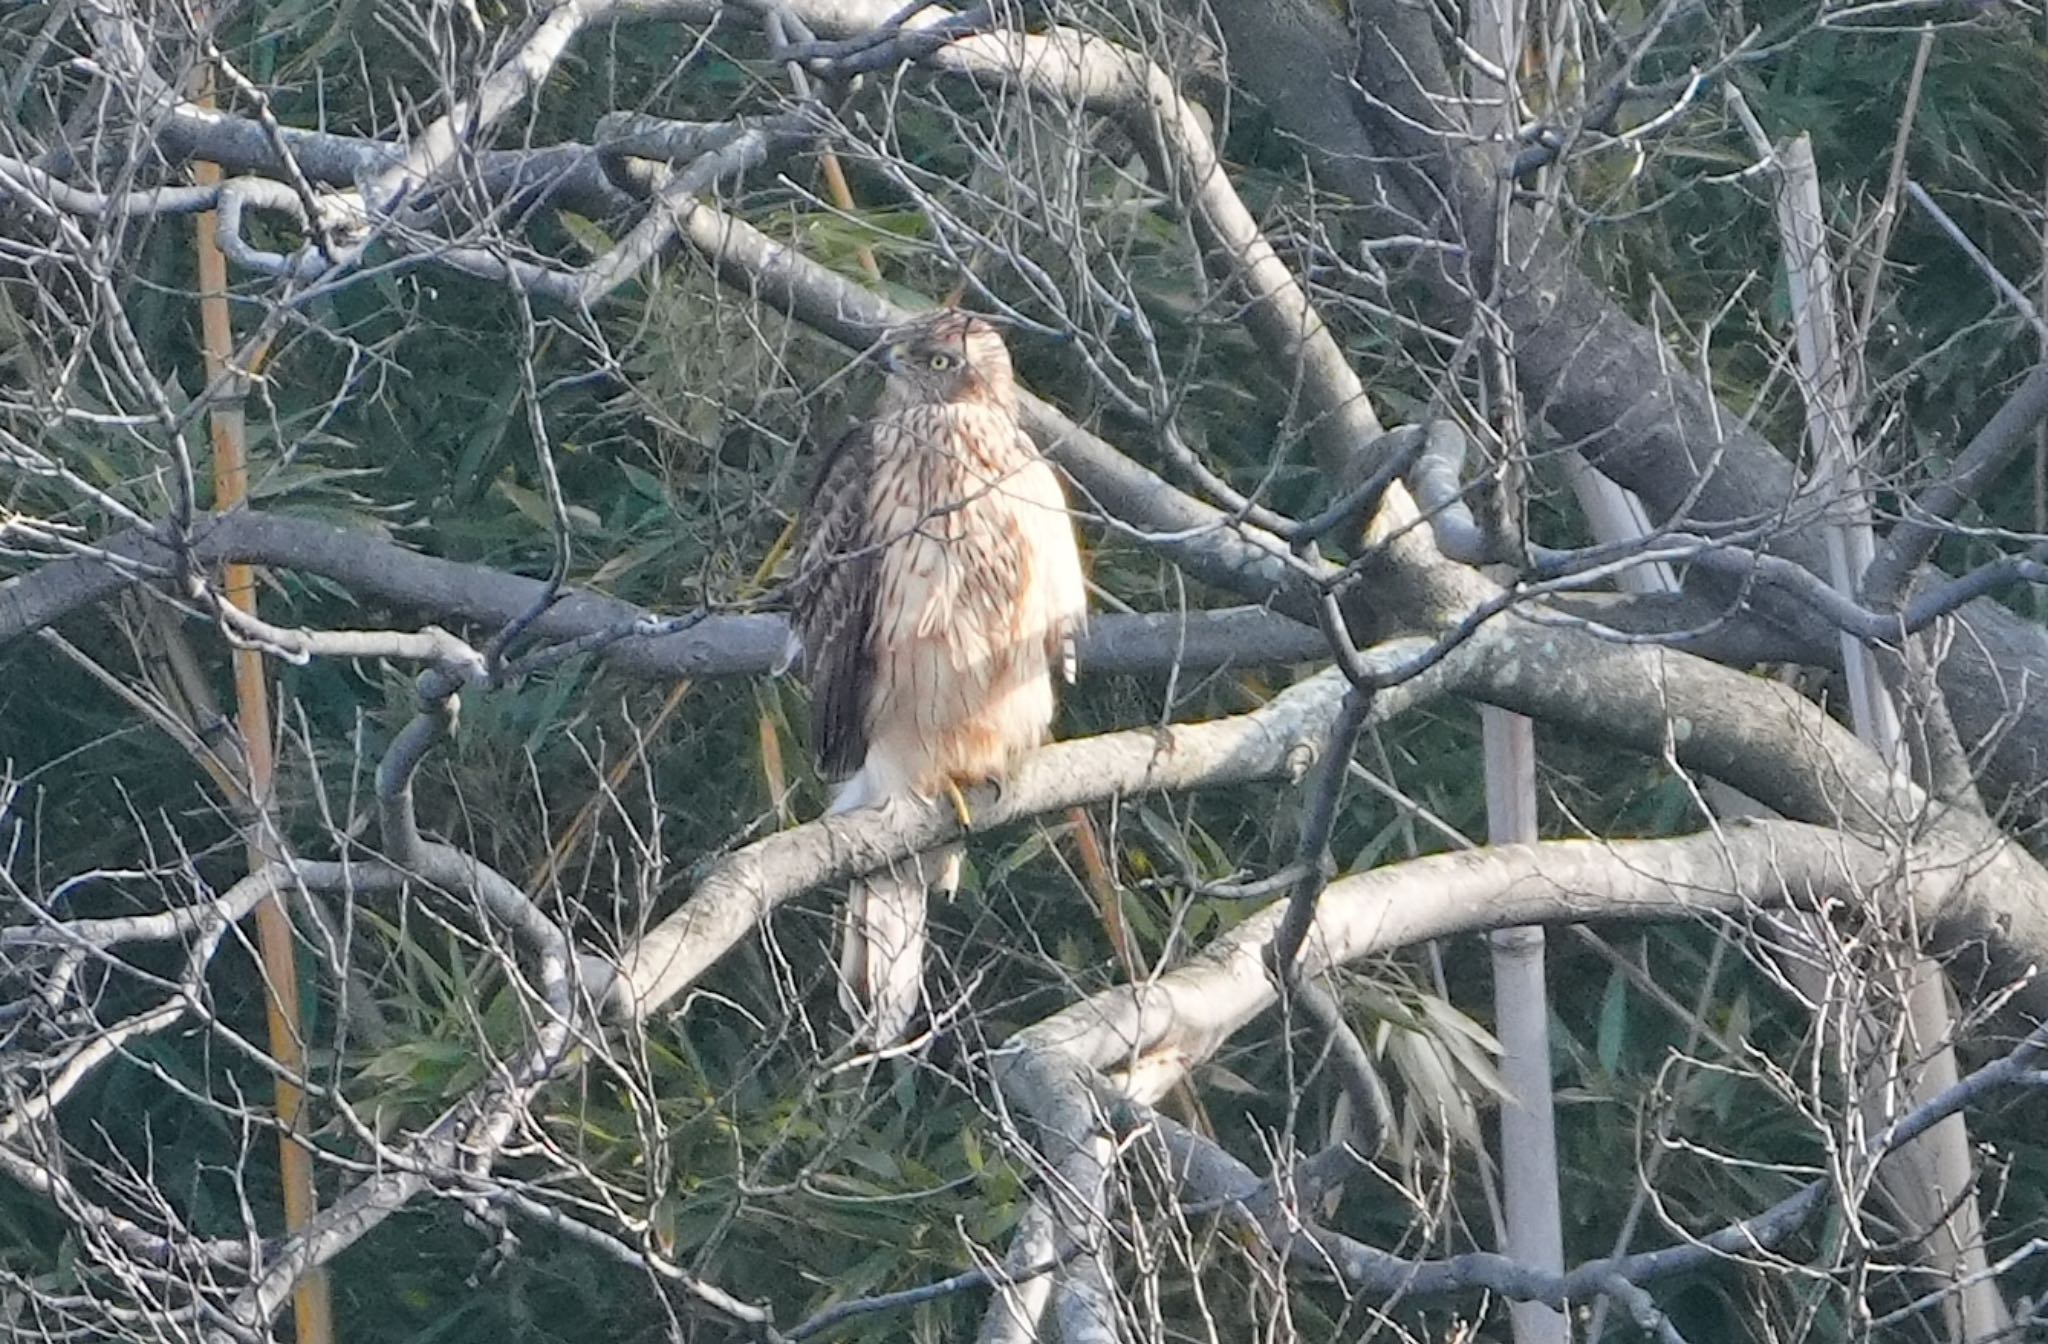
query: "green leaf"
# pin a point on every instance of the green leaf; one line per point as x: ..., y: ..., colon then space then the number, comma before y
x: 585, y: 233
x: 534, y: 507
x: 1612, y: 1036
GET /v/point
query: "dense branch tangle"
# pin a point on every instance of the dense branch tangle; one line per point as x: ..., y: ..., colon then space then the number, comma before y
x: 449, y: 195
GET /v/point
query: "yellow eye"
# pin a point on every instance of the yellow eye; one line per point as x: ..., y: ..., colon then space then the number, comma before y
x: 940, y: 363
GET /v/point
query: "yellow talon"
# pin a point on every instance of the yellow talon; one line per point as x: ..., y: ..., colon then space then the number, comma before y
x: 960, y: 808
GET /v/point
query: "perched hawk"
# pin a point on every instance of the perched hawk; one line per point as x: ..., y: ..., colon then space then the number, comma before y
x: 938, y: 591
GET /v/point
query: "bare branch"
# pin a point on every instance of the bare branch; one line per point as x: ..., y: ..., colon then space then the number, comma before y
x: 1921, y: 529
x: 2007, y: 290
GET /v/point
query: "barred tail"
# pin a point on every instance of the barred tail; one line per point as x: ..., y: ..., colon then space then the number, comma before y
x: 881, y: 949
x: 882, y: 941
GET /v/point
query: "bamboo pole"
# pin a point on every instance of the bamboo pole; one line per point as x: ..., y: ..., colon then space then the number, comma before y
x: 312, y: 1302
x: 1531, y: 1203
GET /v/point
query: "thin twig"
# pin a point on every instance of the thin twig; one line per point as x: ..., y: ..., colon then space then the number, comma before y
x: 2007, y: 290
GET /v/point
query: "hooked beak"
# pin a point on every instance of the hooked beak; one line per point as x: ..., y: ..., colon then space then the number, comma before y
x: 888, y: 356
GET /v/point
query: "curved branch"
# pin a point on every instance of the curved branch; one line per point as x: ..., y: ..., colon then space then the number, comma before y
x: 1181, y: 1017
x: 1281, y: 739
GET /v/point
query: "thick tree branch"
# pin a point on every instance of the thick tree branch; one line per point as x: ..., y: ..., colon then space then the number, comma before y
x: 1182, y: 1016
x: 718, y: 645
x: 568, y: 175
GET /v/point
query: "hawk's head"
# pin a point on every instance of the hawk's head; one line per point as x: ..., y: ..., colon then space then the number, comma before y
x: 944, y: 357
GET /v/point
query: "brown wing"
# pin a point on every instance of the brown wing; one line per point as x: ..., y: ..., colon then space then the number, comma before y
x: 833, y: 602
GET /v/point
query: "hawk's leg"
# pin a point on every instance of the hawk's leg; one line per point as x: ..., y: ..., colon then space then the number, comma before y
x: 947, y: 883
x: 960, y: 808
